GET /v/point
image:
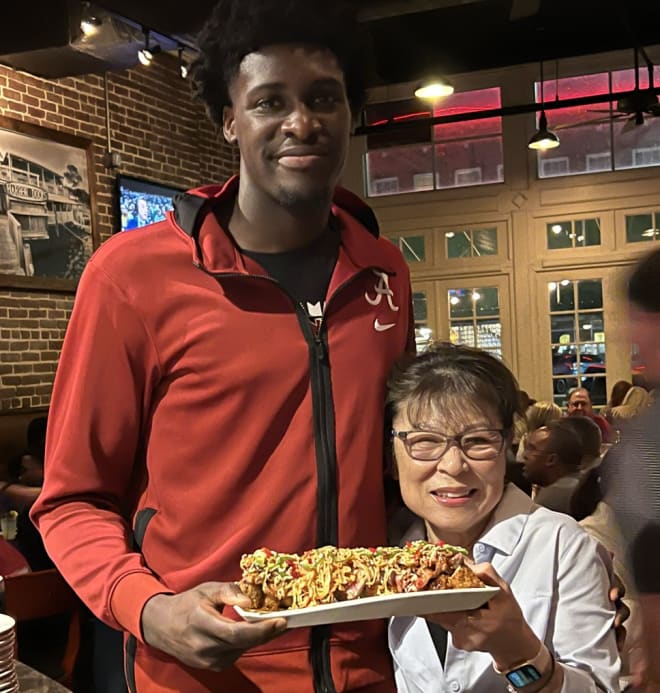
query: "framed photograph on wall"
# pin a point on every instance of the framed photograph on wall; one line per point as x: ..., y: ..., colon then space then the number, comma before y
x: 47, y: 207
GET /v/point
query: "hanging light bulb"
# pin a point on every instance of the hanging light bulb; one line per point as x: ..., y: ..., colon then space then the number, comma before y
x: 434, y: 88
x: 543, y: 139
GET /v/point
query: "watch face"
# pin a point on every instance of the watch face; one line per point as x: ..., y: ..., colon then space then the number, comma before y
x: 519, y: 678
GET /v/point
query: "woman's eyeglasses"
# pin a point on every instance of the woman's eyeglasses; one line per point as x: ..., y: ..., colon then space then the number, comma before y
x: 430, y: 446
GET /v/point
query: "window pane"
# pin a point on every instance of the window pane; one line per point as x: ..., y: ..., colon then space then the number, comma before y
x: 561, y: 388
x: 397, y: 169
x: 640, y: 227
x: 489, y: 335
x: 636, y: 146
x: 460, y: 303
x: 590, y: 294
x: 413, y: 248
x: 469, y: 162
x: 590, y: 229
x: 561, y: 296
x: 462, y: 333
x: 459, y: 244
x: 562, y: 329
x: 466, y: 101
x: 592, y: 327
x: 558, y: 234
x: 486, y: 301
x: 420, y: 307
x: 485, y: 241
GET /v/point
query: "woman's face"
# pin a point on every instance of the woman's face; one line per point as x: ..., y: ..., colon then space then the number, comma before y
x: 455, y: 495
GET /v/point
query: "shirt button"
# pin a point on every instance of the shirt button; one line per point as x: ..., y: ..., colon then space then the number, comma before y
x: 455, y: 686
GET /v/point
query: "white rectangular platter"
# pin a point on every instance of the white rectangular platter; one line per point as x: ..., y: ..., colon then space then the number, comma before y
x: 367, y: 608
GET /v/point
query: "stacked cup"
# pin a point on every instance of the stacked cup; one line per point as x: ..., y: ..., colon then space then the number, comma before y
x: 8, y: 679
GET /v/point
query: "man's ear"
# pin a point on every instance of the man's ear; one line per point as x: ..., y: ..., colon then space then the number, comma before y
x: 552, y: 459
x: 229, y: 125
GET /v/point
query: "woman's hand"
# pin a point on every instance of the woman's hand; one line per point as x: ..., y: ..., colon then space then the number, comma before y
x: 191, y: 627
x: 498, y: 628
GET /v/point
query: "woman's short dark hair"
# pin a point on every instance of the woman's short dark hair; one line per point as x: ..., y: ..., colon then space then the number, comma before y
x: 644, y: 283
x: 454, y: 378
x: 236, y: 28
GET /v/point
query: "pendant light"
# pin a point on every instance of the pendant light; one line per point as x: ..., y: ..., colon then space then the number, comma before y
x: 543, y: 138
x: 434, y: 88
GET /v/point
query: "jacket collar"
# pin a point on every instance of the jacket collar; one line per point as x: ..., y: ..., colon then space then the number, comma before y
x: 214, y: 248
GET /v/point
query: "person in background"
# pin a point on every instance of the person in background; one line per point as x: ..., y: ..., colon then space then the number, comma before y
x: 537, y: 415
x: 636, y: 401
x: 590, y: 437
x: 595, y: 515
x: 520, y: 421
x: 579, y: 404
x: 549, y: 627
x: 22, y: 490
x: 631, y: 470
x: 619, y: 390
x: 142, y: 216
x: 552, y: 463
x: 225, y: 391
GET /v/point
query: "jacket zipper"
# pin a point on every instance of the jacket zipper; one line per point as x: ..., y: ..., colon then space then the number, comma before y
x: 326, y: 460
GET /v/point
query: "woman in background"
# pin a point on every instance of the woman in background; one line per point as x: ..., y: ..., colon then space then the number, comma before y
x: 636, y: 401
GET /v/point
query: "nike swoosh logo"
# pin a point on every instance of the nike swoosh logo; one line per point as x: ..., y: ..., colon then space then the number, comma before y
x: 380, y: 327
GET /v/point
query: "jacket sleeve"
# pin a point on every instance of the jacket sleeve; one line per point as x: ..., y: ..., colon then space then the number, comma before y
x: 584, y: 624
x: 101, y: 396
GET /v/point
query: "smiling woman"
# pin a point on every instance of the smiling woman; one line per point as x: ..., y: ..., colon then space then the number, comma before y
x: 452, y: 411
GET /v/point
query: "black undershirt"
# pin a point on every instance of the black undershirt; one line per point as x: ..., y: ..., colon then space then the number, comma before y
x: 304, y: 272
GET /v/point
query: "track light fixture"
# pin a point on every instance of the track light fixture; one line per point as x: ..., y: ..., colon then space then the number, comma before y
x: 543, y: 138
x: 90, y: 23
x: 146, y: 54
x: 434, y: 88
x: 183, y: 66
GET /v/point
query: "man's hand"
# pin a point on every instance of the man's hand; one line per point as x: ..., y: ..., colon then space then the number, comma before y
x: 190, y: 626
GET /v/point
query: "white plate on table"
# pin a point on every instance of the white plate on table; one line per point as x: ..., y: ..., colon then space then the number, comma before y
x: 367, y: 608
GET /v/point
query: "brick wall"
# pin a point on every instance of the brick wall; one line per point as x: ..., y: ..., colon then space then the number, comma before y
x: 162, y: 135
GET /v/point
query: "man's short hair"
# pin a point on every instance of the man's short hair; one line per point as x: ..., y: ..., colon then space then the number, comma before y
x: 587, y: 431
x: 236, y: 28
x: 565, y: 443
x: 644, y: 283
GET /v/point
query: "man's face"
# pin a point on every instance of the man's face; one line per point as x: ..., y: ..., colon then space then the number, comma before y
x: 291, y: 119
x: 579, y: 404
x: 645, y: 332
x: 536, y: 456
x: 142, y: 208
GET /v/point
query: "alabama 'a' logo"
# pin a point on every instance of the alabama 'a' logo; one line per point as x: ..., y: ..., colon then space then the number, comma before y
x: 382, y: 290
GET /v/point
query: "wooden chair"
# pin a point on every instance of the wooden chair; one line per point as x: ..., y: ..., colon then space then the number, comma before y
x: 42, y: 594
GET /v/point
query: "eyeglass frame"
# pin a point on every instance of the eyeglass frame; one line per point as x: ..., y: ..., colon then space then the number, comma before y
x: 450, y: 442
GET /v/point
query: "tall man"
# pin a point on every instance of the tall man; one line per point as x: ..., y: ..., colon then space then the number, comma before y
x: 225, y: 391
x: 579, y: 404
x: 632, y: 468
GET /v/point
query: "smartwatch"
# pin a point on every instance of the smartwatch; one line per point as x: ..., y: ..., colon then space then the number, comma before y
x: 523, y: 676
x: 529, y: 672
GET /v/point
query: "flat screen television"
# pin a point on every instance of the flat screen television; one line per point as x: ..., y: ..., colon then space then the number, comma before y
x: 142, y: 202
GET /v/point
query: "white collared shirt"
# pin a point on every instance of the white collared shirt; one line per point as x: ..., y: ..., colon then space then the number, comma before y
x: 560, y: 578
